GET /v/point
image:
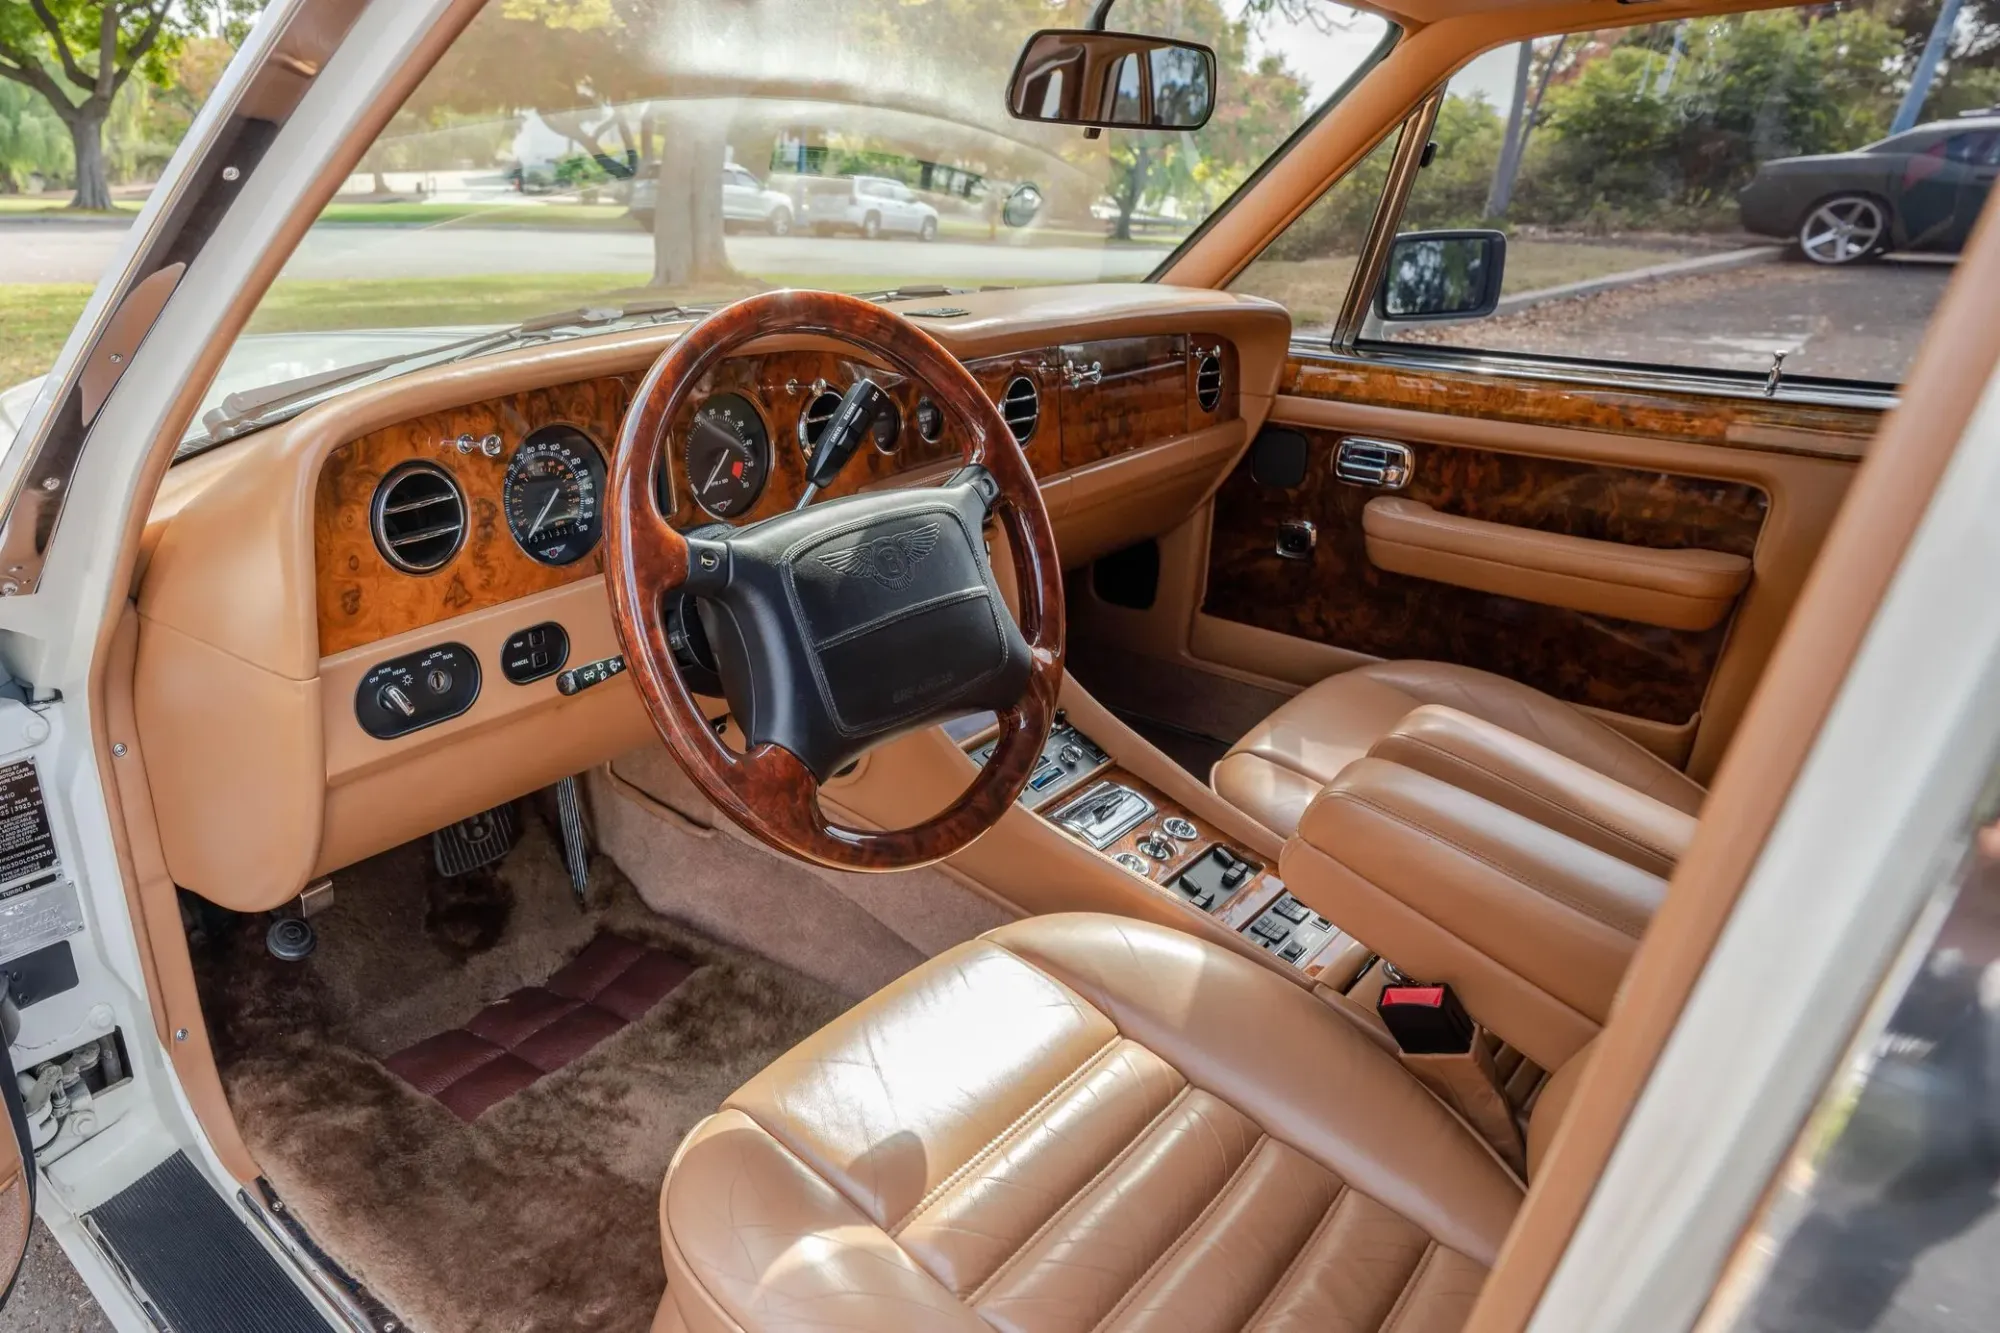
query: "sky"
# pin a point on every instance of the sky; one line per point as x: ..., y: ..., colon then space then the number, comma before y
x: 1325, y: 59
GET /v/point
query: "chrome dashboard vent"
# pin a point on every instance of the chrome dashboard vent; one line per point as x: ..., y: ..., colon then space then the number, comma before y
x: 1208, y: 381
x: 812, y: 422
x: 1021, y: 406
x: 418, y: 516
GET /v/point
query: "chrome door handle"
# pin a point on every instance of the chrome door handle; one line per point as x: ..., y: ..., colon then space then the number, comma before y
x: 1077, y: 376
x: 1385, y: 464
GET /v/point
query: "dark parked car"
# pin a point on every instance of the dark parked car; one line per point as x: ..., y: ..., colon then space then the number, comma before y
x: 1921, y: 190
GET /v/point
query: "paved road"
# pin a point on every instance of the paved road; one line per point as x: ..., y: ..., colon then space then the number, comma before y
x: 1853, y: 323
x: 62, y: 251
x: 50, y: 1297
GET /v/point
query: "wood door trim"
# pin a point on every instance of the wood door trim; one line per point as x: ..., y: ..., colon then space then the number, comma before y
x: 1691, y: 418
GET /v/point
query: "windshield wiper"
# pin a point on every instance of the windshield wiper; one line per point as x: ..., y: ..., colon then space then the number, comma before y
x: 241, y: 413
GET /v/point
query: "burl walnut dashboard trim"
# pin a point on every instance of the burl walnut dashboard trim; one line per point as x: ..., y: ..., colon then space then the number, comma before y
x: 242, y: 710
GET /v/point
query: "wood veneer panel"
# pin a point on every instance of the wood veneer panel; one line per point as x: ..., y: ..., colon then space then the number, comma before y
x: 1744, y: 423
x: 1141, y: 398
x: 1337, y: 597
x: 362, y: 597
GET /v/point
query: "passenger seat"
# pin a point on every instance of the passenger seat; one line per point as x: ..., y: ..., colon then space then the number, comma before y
x: 1275, y: 771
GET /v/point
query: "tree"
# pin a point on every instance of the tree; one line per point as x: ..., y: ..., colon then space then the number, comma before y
x: 79, y: 54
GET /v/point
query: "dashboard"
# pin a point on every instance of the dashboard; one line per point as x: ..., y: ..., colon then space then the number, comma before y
x: 391, y: 613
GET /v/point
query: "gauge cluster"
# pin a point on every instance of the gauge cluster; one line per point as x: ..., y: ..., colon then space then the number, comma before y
x: 553, y: 495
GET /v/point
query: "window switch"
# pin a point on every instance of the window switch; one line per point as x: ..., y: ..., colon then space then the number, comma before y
x: 1291, y: 952
x: 1291, y: 909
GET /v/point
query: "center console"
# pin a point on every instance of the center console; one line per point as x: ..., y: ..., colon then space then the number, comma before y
x: 1080, y: 789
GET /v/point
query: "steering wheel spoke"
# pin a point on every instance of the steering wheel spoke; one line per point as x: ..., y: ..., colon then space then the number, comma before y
x: 851, y: 622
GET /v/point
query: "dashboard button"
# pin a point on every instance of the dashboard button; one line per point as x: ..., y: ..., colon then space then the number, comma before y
x: 535, y: 652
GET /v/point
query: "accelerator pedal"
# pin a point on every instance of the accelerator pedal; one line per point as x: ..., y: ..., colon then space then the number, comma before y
x: 477, y: 841
x: 576, y: 849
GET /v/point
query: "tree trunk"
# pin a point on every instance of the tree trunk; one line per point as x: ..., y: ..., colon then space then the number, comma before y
x: 86, y: 133
x: 1135, y: 189
x: 687, y: 208
x: 1501, y: 193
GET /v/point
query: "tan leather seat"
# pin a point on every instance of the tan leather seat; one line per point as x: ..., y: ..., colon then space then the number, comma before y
x: 1078, y: 1122
x: 1274, y: 772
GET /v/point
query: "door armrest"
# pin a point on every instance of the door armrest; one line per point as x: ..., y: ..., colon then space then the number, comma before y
x: 1677, y: 589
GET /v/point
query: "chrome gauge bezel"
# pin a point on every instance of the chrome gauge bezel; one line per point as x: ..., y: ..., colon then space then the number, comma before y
x: 767, y: 449
x: 579, y: 452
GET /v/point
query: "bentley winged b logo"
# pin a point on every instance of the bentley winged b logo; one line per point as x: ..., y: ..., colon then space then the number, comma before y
x: 890, y: 561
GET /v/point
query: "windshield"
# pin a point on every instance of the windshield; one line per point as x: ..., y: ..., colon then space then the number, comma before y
x: 569, y: 154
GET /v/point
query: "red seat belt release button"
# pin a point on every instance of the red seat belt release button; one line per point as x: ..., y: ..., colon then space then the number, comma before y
x: 1425, y: 1020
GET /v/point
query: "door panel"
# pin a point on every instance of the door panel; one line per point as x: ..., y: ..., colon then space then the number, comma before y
x: 1639, y: 466
x: 1338, y: 597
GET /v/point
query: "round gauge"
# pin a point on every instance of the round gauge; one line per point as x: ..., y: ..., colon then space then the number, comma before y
x: 887, y: 428
x: 554, y: 495
x: 728, y: 455
x: 930, y: 421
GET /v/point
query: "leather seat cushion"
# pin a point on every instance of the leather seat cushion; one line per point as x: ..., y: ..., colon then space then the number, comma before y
x: 1275, y: 770
x: 1077, y: 1122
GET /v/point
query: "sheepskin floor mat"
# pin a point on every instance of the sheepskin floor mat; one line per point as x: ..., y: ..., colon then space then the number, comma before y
x: 541, y: 1213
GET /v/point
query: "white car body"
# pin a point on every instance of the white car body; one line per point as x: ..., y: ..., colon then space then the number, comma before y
x: 748, y: 200
x: 870, y: 206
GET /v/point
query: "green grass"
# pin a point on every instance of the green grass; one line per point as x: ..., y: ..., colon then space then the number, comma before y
x: 584, y: 217
x: 35, y: 318
x: 1313, y: 288
x: 42, y: 205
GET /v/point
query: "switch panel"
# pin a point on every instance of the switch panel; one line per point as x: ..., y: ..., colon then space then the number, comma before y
x: 1068, y: 756
x: 419, y: 690
x: 1214, y: 878
x: 1291, y: 930
x: 535, y: 652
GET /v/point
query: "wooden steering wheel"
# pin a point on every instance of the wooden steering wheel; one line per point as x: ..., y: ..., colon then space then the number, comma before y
x: 843, y: 624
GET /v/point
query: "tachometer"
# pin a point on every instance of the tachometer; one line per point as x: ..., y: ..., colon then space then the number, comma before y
x: 728, y: 455
x: 554, y: 495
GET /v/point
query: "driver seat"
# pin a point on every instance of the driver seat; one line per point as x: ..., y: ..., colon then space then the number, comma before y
x: 1079, y: 1122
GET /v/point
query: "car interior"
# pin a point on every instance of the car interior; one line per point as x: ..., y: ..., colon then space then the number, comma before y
x: 953, y: 819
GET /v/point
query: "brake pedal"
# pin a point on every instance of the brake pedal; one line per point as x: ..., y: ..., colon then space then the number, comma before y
x: 478, y: 841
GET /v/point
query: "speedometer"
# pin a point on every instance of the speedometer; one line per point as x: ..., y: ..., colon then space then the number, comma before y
x: 728, y: 455
x: 554, y: 495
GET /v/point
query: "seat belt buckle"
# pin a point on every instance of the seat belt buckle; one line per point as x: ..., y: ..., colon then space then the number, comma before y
x: 1425, y: 1019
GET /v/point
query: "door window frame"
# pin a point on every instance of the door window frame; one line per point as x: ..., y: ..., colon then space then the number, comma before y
x: 1347, y: 345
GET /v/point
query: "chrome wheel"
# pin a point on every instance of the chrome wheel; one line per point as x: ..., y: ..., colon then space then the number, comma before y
x: 1844, y: 229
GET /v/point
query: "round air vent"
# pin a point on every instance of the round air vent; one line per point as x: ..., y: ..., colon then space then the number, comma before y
x: 1021, y: 405
x: 813, y: 422
x: 1208, y: 381
x: 418, y: 517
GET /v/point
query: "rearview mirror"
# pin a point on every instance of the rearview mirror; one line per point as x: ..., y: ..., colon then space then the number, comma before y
x: 1114, y: 80
x: 1441, y: 275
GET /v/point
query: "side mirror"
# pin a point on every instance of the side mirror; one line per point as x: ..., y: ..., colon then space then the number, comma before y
x: 1441, y: 275
x: 1112, y: 80
x: 1021, y: 206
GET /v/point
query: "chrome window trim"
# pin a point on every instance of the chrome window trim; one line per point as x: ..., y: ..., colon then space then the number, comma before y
x: 1609, y: 375
x: 1404, y: 165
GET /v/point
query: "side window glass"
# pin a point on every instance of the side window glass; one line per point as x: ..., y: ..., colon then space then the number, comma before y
x: 1310, y: 266
x: 1699, y: 194
x: 1125, y: 100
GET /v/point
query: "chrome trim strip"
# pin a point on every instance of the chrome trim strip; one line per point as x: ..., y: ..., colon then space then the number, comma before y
x: 324, y: 1283
x: 1403, y: 168
x: 1608, y: 376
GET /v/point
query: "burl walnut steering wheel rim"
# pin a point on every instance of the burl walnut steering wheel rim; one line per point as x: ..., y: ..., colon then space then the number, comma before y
x: 769, y: 790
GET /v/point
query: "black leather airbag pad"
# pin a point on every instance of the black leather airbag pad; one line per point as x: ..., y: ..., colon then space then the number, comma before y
x: 940, y: 651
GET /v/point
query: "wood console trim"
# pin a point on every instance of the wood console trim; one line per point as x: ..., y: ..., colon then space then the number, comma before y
x: 1695, y: 418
